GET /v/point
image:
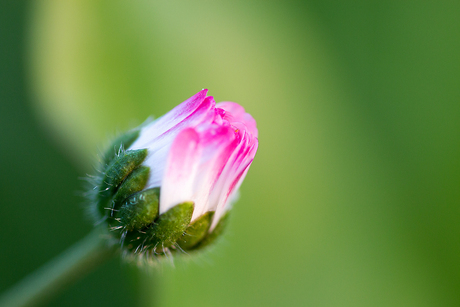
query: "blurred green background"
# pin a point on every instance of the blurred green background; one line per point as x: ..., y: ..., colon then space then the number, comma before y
x: 353, y: 198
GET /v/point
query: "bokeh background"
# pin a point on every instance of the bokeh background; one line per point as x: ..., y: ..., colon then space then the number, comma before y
x: 353, y: 198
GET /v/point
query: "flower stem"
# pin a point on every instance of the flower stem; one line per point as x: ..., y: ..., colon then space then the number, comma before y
x: 55, y: 275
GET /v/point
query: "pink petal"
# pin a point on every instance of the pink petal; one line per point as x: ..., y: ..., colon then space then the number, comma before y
x: 236, y: 113
x: 218, y: 143
x: 229, y: 197
x: 233, y: 174
x: 178, y: 114
x: 191, y: 112
x: 181, y: 167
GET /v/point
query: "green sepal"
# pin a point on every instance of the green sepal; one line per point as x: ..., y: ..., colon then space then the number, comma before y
x: 119, y: 144
x: 139, y: 210
x: 115, y: 173
x: 135, y: 182
x: 164, y: 232
x: 216, y: 232
x: 196, y: 231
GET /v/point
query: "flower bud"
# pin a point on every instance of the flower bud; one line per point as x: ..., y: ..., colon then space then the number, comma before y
x: 169, y: 184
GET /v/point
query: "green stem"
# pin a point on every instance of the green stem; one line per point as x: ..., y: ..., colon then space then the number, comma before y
x: 54, y: 276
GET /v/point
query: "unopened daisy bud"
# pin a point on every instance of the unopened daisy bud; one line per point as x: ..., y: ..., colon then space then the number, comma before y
x: 169, y: 185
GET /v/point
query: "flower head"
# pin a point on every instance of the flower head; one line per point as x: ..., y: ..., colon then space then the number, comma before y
x: 174, y: 181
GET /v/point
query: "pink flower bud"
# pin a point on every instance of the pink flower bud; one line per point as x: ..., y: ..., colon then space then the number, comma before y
x: 178, y: 176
